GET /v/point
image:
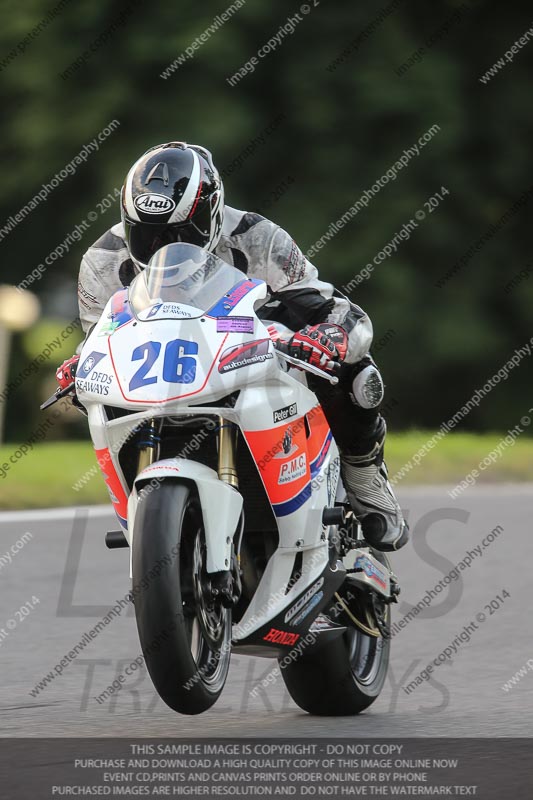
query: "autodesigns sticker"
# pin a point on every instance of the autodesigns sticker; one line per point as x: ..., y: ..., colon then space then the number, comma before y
x: 244, y: 355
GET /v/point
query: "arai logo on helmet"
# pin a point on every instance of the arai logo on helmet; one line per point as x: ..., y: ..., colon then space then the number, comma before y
x: 154, y: 204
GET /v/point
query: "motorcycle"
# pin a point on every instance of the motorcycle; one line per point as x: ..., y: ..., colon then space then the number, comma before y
x: 225, y: 480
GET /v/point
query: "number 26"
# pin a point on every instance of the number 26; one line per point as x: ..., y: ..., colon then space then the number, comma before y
x: 179, y: 366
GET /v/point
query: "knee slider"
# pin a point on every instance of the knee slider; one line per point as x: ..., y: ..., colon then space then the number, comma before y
x: 367, y: 387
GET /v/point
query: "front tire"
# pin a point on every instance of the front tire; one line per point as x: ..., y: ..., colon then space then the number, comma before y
x: 185, y: 636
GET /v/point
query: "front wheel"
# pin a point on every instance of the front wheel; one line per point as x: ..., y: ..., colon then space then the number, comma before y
x: 185, y: 635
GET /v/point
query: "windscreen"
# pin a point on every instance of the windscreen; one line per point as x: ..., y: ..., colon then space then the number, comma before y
x: 183, y: 273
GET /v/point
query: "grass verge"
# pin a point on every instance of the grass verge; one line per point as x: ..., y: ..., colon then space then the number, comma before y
x: 45, y: 477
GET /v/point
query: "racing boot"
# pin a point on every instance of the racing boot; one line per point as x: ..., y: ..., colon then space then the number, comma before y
x: 372, y: 498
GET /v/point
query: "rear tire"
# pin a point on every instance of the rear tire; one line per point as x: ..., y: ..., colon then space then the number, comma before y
x: 341, y: 678
x: 185, y: 638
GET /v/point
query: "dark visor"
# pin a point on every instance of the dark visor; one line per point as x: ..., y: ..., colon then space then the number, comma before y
x: 146, y: 238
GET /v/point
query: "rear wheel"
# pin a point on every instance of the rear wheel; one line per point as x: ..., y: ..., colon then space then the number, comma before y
x: 347, y: 675
x: 185, y: 635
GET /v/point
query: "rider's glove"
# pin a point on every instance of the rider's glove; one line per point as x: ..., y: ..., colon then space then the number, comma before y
x: 318, y: 344
x: 66, y: 373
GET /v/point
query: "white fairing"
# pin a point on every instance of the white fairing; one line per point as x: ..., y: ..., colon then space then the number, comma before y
x: 221, y: 505
x: 170, y: 361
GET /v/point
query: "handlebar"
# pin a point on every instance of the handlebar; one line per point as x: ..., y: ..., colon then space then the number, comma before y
x: 330, y: 373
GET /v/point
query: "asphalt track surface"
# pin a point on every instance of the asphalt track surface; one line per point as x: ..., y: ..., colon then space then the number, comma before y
x: 76, y: 579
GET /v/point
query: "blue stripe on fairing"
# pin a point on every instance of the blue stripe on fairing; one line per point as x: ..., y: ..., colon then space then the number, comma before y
x: 289, y: 506
x: 123, y: 522
x: 219, y: 310
x: 319, y: 460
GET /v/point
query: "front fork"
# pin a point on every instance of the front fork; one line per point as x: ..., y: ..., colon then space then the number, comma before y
x: 227, y: 453
x: 225, y: 585
x: 148, y: 446
x: 227, y: 450
x: 228, y: 584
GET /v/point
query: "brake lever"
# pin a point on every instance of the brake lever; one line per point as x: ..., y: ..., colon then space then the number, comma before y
x: 58, y: 395
x: 282, y: 350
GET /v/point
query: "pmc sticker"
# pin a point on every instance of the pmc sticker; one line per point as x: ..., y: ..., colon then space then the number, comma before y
x: 291, y: 470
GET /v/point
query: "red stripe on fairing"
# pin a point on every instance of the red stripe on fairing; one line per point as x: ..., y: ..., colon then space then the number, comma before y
x: 114, y: 484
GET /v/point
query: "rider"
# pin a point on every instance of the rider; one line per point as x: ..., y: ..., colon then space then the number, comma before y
x: 173, y: 193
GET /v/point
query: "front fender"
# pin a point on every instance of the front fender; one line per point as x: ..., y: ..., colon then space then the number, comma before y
x: 221, y: 505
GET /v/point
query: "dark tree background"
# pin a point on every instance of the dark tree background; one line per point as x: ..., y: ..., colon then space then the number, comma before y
x: 341, y: 129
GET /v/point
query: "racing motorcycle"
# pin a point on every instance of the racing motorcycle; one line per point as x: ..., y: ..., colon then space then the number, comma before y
x: 225, y: 480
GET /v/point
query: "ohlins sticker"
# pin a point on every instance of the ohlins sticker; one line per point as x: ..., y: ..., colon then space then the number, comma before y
x: 281, y: 637
x: 285, y: 412
x: 292, y: 470
x: 371, y: 570
x: 244, y: 355
x: 90, y: 363
x: 304, y: 599
x: 154, y: 204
